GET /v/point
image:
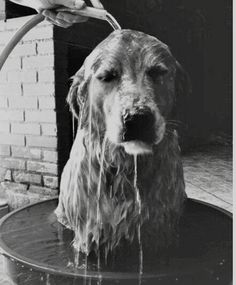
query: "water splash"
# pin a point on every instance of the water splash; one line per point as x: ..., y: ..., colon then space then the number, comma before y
x: 139, y: 204
x: 99, y: 281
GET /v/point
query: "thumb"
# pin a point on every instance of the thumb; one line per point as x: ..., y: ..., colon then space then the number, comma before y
x: 74, y: 4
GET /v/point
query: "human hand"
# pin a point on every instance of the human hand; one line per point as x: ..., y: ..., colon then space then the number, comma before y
x: 48, y: 9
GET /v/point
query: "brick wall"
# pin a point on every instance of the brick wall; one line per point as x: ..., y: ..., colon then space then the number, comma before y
x: 28, y: 120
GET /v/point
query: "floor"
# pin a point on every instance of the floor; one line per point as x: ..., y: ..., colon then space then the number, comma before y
x: 208, y: 176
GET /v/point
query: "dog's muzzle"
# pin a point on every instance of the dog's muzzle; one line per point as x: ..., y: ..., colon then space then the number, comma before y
x: 139, y: 126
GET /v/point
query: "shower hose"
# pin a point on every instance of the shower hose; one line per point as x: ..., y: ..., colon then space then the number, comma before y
x: 88, y: 11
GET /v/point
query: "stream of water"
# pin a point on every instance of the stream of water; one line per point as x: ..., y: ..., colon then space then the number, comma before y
x: 139, y: 203
x: 112, y: 21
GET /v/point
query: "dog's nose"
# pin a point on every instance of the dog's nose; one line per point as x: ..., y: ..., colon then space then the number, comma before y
x: 139, y: 126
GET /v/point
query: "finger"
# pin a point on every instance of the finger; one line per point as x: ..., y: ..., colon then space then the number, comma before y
x: 49, y: 14
x: 75, y: 4
x: 59, y: 23
x: 50, y: 21
x: 71, y: 18
x: 97, y: 4
x: 57, y: 20
x: 56, y: 23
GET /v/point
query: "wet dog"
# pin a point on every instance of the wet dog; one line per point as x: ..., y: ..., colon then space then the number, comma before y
x: 124, y: 170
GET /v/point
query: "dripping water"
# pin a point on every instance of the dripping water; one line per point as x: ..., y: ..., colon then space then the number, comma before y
x: 139, y: 204
x: 89, y: 187
x: 98, y: 209
x: 48, y: 279
x: 73, y: 126
x: 77, y: 258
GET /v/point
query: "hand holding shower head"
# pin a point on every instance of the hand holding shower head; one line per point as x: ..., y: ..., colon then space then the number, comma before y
x: 87, y: 12
x: 96, y: 13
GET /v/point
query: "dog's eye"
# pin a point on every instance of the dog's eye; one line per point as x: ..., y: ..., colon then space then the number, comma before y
x: 156, y: 71
x: 107, y: 76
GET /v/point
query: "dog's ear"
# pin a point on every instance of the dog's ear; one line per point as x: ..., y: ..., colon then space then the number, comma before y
x: 183, y: 86
x: 183, y: 90
x: 78, y: 93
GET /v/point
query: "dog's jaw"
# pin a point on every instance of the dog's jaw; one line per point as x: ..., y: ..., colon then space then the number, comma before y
x: 140, y: 148
x: 137, y: 147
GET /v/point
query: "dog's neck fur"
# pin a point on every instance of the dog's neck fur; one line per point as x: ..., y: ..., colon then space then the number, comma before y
x: 157, y: 174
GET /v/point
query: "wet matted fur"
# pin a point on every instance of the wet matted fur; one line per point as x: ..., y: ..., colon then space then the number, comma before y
x: 129, y: 70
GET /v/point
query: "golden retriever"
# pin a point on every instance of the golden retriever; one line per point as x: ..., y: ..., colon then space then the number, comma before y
x: 125, y: 170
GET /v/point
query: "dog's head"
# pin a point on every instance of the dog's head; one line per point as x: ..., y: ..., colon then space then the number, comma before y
x: 130, y: 81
